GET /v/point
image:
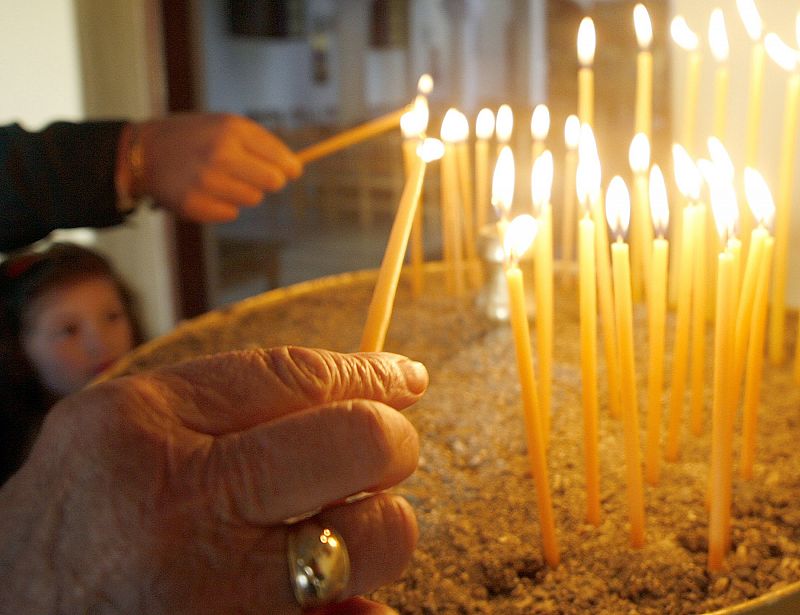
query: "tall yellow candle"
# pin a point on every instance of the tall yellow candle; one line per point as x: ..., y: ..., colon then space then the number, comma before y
x: 380, y: 307
x: 572, y: 130
x: 518, y: 236
x: 451, y: 205
x: 588, y: 324
x: 698, y: 340
x: 751, y: 20
x: 755, y: 364
x: 618, y: 210
x: 641, y: 233
x: 484, y: 129
x: 587, y: 41
x: 721, y: 436
x: 787, y: 58
x: 689, y: 182
x: 541, y: 183
x: 466, y: 190
x: 720, y: 49
x: 685, y: 38
x: 657, y: 308
x: 644, y: 71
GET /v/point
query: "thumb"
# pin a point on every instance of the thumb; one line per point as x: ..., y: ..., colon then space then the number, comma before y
x: 236, y: 390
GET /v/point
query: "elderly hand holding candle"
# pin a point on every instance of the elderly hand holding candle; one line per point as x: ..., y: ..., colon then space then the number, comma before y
x: 169, y: 491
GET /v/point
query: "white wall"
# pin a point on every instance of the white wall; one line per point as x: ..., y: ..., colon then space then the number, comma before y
x: 779, y: 17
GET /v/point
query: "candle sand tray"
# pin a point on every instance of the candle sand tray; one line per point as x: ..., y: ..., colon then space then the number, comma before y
x: 479, y: 549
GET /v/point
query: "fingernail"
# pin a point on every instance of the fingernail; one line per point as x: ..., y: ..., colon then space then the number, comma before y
x: 416, y: 376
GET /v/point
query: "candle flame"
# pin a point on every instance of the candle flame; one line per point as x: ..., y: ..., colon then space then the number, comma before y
x: 582, y: 186
x: 484, y: 124
x: 709, y: 172
x: 414, y: 122
x: 721, y: 159
x: 759, y: 197
x: 659, y: 204
x: 687, y: 175
x: 503, y: 183
x: 639, y: 153
x: 725, y: 209
x: 430, y: 149
x: 750, y: 18
x: 589, y: 160
x: 455, y: 127
x: 540, y: 122
x: 587, y: 41
x: 718, y: 36
x: 541, y: 181
x: 782, y: 54
x: 504, y: 123
x: 425, y: 84
x: 618, y: 207
x: 683, y: 35
x: 572, y: 131
x: 643, y: 26
x: 519, y: 236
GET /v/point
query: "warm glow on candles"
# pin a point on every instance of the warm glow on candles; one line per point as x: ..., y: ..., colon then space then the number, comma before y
x: 718, y: 36
x: 380, y: 307
x: 518, y: 237
x: 755, y: 27
x: 503, y: 185
x: 541, y: 186
x: 504, y: 125
x: 461, y: 137
x: 643, y: 26
x: 484, y: 130
x: 689, y: 183
x: 657, y: 307
x: 751, y: 20
x: 618, y: 212
x: 452, y: 131
x: 425, y: 84
x: 720, y: 49
x: 683, y: 35
x: 540, y: 128
x: 587, y: 41
x: 687, y: 40
x: 786, y: 58
x: 721, y: 159
x: 644, y: 71
x: 572, y: 132
x: 641, y: 230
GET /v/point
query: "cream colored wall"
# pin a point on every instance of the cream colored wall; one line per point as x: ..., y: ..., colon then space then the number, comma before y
x: 778, y: 16
x: 74, y: 59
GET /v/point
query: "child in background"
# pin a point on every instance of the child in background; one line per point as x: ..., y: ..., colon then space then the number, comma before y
x: 65, y: 316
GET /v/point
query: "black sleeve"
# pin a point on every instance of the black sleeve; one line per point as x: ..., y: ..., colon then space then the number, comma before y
x: 61, y: 177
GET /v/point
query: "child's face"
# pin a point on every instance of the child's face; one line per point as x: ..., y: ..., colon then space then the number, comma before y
x: 74, y: 332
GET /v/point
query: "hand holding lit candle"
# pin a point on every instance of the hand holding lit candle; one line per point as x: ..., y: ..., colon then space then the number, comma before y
x: 519, y: 235
x: 657, y: 307
x: 587, y: 41
x: 380, y: 307
x: 644, y: 71
x: 618, y: 211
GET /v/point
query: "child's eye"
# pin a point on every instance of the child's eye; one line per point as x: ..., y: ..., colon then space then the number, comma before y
x: 69, y: 329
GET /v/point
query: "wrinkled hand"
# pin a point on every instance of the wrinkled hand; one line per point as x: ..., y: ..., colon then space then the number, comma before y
x: 165, y: 492
x: 206, y: 166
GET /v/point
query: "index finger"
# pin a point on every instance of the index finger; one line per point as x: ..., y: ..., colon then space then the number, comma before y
x: 237, y: 390
x: 266, y: 145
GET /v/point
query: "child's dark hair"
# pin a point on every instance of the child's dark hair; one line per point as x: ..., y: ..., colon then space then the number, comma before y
x: 23, y: 278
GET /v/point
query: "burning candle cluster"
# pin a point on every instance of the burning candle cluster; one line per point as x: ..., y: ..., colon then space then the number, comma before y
x: 628, y: 251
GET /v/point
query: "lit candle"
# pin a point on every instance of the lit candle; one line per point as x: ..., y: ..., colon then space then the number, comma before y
x: 786, y: 57
x: 720, y: 49
x: 644, y: 71
x: 754, y: 26
x: 519, y: 235
x: 541, y: 185
x: 504, y: 126
x: 380, y: 307
x: 760, y: 198
x: 587, y: 41
x: 503, y: 188
x: 484, y: 129
x: 689, y: 183
x: 698, y: 338
x: 588, y: 156
x: 460, y: 137
x: 413, y: 125
x: 572, y: 131
x: 641, y: 227
x: 618, y: 210
x: 687, y: 40
x: 588, y: 325
x: 540, y: 128
x: 722, y: 419
x: 657, y: 306
x: 452, y: 238
x: 724, y: 176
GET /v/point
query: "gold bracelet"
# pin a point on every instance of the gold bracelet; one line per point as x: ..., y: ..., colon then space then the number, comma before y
x: 134, y: 170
